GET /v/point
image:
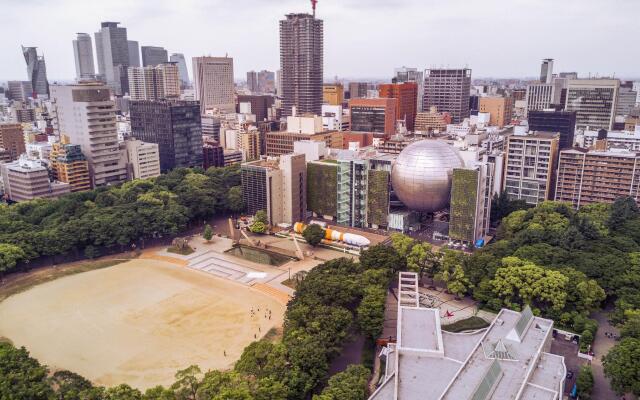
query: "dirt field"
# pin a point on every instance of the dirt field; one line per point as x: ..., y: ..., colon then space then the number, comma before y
x: 137, y: 322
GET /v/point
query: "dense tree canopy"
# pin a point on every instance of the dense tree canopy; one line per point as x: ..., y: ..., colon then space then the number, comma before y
x: 86, y: 222
x: 313, y: 234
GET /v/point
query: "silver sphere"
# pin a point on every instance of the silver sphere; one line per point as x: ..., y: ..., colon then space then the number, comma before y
x: 421, y: 175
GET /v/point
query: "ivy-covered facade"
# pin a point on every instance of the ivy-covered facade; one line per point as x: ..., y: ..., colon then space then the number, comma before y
x: 378, y: 198
x: 322, y: 193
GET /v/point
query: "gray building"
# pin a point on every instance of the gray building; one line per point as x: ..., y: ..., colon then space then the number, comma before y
x: 626, y: 101
x: 19, y: 90
x: 594, y: 101
x: 546, y: 70
x: 174, y: 125
x: 83, y: 54
x: 179, y: 59
x: 448, y: 90
x: 301, y: 62
x: 153, y: 55
x: 112, y: 49
x: 134, y: 53
x: 252, y: 81
x: 36, y: 71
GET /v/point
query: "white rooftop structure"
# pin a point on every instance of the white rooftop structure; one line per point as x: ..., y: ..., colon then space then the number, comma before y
x: 506, y: 361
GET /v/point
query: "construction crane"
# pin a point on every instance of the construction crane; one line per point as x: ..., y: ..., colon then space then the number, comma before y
x: 313, y: 6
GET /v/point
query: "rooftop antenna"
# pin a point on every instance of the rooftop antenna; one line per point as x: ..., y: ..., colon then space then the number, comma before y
x: 313, y: 6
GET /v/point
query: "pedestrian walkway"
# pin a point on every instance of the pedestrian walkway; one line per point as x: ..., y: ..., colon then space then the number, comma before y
x: 601, y: 346
x: 279, y: 295
x: 153, y: 255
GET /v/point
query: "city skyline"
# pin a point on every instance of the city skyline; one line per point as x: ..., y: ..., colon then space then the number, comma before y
x: 440, y: 32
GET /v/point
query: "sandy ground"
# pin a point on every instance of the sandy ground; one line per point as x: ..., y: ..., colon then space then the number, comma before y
x: 137, y: 322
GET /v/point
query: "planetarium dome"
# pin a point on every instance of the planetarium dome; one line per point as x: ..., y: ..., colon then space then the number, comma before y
x: 421, y: 175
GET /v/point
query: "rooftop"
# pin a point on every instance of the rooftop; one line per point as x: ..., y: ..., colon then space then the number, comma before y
x: 504, y: 361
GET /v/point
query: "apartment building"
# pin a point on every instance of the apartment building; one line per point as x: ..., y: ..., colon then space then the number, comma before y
x: 143, y: 159
x: 25, y: 179
x: 12, y: 139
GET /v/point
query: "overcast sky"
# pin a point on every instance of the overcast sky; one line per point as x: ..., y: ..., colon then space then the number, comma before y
x: 362, y: 38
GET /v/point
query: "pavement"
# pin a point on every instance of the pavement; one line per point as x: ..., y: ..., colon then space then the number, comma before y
x: 601, y: 346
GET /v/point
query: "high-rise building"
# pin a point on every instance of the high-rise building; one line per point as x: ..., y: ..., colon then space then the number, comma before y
x: 373, y: 115
x: 358, y: 90
x: 333, y: 94
x: 153, y: 55
x: 278, y: 187
x: 301, y: 62
x: 26, y: 179
x: 83, y: 53
x: 153, y: 83
x: 178, y: 58
x: 260, y: 105
x: 539, y: 96
x: 36, y: 71
x: 252, y: 81
x: 626, y: 101
x: 406, y: 74
x: 500, y: 109
x: 69, y: 165
x: 406, y: 95
x: 20, y: 90
x: 448, y: 89
x: 210, y: 127
x: 87, y: 115
x: 470, y: 205
x: 546, y: 70
x: 212, y: 155
x: 594, y: 101
x: 134, y: 53
x: 593, y: 176
x: 112, y: 49
x: 266, y: 82
x: 143, y: 159
x: 563, y: 122
x: 174, y: 125
x: 12, y: 139
x: 530, y: 166
x: 213, y: 82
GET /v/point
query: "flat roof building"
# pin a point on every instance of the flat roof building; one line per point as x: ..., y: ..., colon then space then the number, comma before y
x: 499, y: 108
x: 143, y: 159
x: 333, y: 94
x: 25, y: 179
x: 213, y: 83
x: 12, y: 139
x: 449, y: 90
x: 563, y: 122
x: 508, y: 360
x: 594, y: 101
x: 406, y: 94
x: 432, y: 121
x: 377, y: 116
x: 69, y: 165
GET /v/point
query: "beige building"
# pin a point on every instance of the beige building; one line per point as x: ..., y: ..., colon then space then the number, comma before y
x: 26, y: 179
x: 499, y: 108
x: 594, y: 101
x: 530, y: 167
x: 432, y: 121
x: 249, y: 144
x: 333, y: 94
x: 12, y: 139
x: 87, y: 115
x: 213, y: 83
x: 161, y: 81
x: 143, y: 159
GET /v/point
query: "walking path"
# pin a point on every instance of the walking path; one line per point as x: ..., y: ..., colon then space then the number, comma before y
x: 601, y: 346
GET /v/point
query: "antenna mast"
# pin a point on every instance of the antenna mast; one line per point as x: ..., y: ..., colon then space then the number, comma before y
x: 313, y: 6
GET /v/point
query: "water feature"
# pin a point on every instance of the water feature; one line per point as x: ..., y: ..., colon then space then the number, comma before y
x: 259, y: 255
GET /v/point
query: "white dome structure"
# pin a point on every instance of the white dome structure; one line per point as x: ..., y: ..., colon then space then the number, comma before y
x: 421, y: 175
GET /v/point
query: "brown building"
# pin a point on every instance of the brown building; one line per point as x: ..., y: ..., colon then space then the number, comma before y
x: 69, y: 165
x: 432, y: 120
x: 407, y: 105
x: 592, y: 176
x: 363, y: 138
x: 260, y: 105
x: 333, y: 94
x: 358, y: 90
x: 212, y: 155
x: 519, y: 94
x: 377, y: 116
x: 500, y: 109
x: 12, y: 139
x: 279, y: 143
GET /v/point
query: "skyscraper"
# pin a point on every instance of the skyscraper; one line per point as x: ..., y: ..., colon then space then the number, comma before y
x: 134, y: 53
x: 594, y: 101
x: 153, y: 55
x: 406, y: 74
x: 178, y: 58
x: 539, y: 96
x: 154, y: 82
x: 252, y: 81
x: 87, y: 115
x: 301, y: 62
x: 213, y: 82
x: 36, y: 71
x: 546, y: 70
x: 448, y: 90
x: 174, y: 125
x: 112, y: 48
x: 406, y: 93
x: 83, y: 53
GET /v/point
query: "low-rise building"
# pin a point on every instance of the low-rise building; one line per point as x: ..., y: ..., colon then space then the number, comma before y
x: 25, y: 179
x: 143, y: 159
x: 69, y: 165
x: 432, y: 121
x: 12, y: 139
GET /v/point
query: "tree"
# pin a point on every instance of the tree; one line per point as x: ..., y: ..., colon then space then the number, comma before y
x: 622, y: 366
x: 422, y: 259
x: 313, y: 234
x: 622, y: 210
x: 382, y: 257
x: 371, y: 311
x: 207, y: 234
x: 350, y: 384
x: 10, y: 255
x: 234, y: 200
x: 584, y: 382
x: 159, y: 393
x: 261, y: 216
x: 263, y: 359
x: 631, y: 327
x: 69, y: 385
x: 22, y: 377
x: 187, y: 383
x: 521, y: 282
x: 402, y: 244
x: 123, y: 392
x: 451, y: 272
